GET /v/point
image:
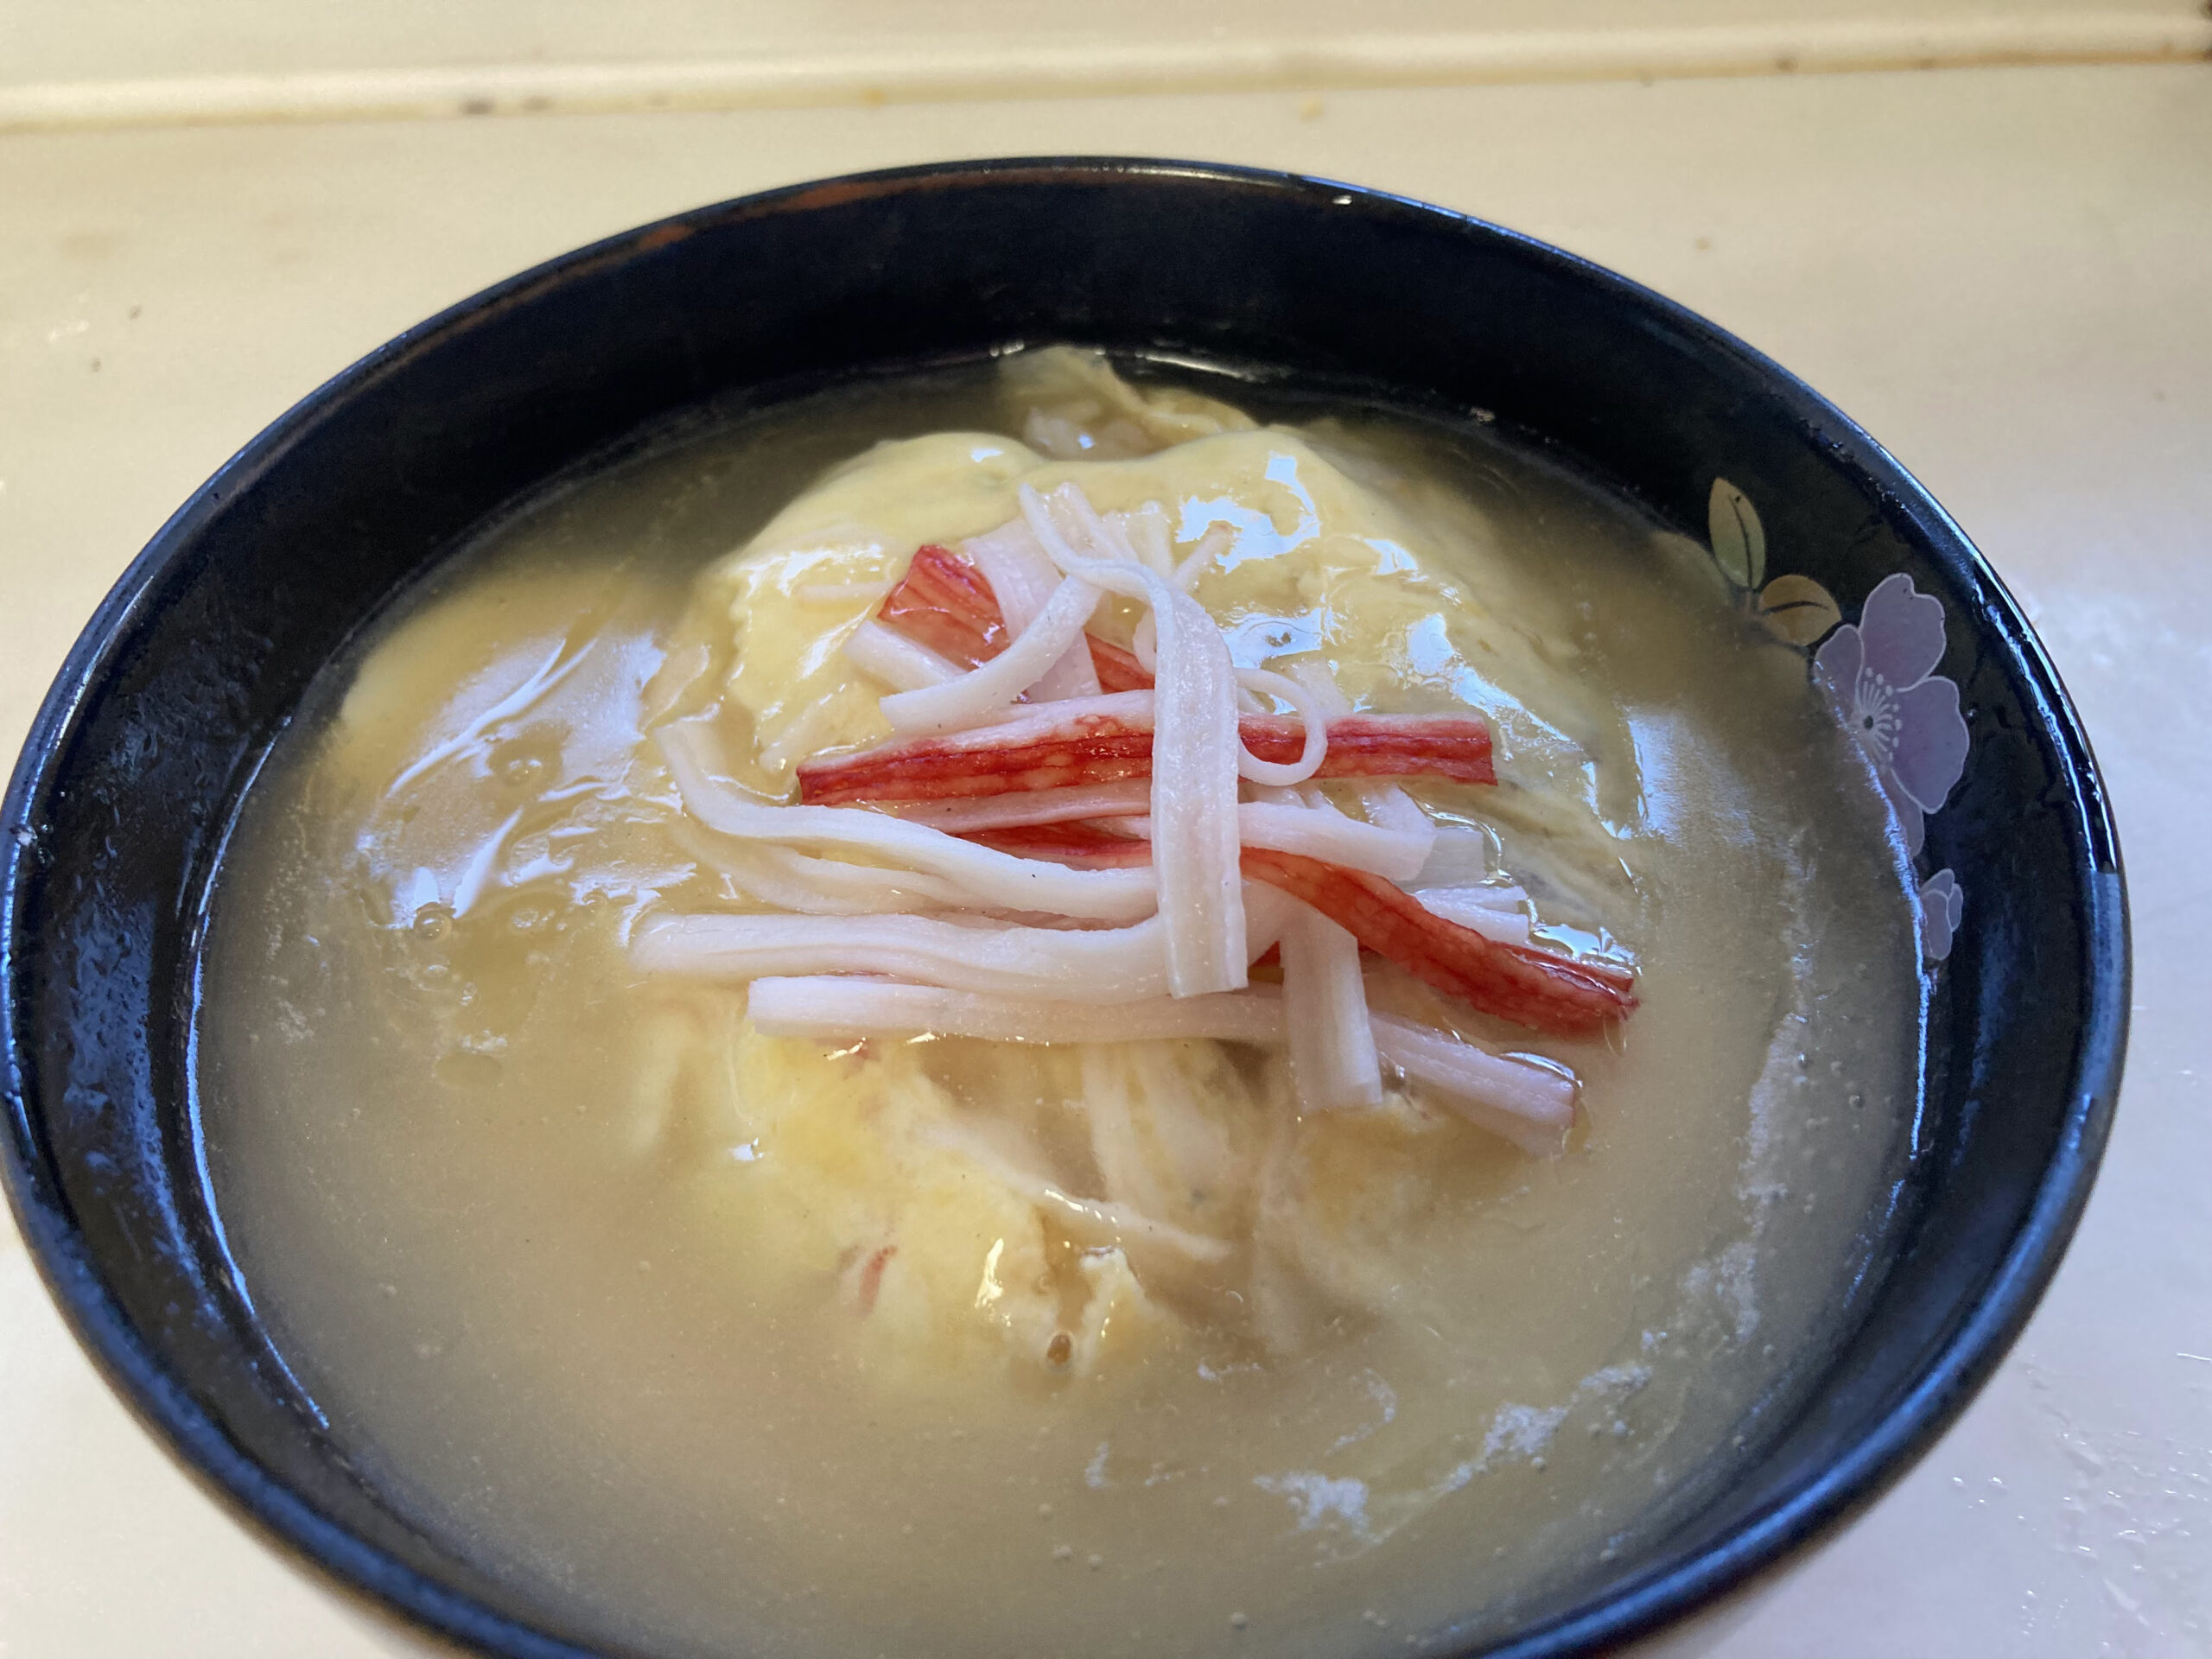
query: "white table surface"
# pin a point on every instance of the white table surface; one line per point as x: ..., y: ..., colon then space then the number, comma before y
x: 2005, y: 274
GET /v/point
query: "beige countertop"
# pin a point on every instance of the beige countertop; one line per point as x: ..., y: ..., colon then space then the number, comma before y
x: 2005, y: 274
x: 101, y: 63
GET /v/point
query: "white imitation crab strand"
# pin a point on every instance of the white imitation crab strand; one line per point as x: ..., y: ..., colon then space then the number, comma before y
x: 994, y: 880
x: 1195, y: 746
x: 1144, y: 645
x: 902, y: 663
x: 1321, y: 832
x: 1499, y: 913
x: 1333, y: 1065
x: 1023, y: 580
x: 818, y: 887
x: 1119, y: 964
x: 987, y: 693
x: 1312, y: 711
x: 1530, y: 1102
x: 1015, y: 811
x: 1387, y: 804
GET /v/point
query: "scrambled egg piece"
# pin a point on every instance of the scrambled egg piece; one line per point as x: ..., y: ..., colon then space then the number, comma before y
x: 1079, y: 1210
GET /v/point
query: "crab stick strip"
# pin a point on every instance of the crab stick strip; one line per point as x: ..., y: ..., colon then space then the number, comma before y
x: 1117, y: 964
x: 944, y: 602
x: 901, y: 662
x: 1529, y: 1103
x: 1081, y: 845
x: 1118, y: 669
x: 1332, y: 1059
x: 1112, y: 964
x: 1022, y: 580
x: 1531, y: 988
x: 839, y: 1009
x: 1088, y: 741
x: 1108, y: 739
x: 1194, y: 748
x: 1324, y: 833
x: 993, y: 880
x: 950, y: 605
x: 1131, y: 798
x: 986, y: 694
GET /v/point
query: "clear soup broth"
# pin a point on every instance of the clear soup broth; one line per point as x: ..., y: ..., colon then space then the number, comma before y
x: 720, y: 1343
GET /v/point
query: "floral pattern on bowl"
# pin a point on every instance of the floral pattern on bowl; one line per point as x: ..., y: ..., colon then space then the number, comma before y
x: 1879, y: 676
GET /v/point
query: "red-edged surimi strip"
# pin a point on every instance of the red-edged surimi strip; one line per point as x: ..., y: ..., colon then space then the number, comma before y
x: 1531, y: 1103
x: 1130, y: 799
x: 1118, y: 670
x: 1040, y: 751
x: 1451, y: 748
x: 1081, y: 845
x: 1530, y: 987
x: 944, y: 602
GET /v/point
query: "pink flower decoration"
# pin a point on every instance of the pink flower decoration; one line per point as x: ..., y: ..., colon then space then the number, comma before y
x: 1942, y: 902
x: 1880, y: 675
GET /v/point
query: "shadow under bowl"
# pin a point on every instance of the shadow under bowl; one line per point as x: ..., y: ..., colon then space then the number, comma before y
x: 171, y: 699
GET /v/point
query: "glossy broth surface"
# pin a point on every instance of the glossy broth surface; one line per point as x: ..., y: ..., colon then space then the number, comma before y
x: 512, y: 1209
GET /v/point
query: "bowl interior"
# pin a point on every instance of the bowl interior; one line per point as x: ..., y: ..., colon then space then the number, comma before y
x: 173, y: 697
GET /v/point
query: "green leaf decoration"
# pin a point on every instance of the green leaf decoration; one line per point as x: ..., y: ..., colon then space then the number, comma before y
x: 1796, y: 609
x: 1738, y: 539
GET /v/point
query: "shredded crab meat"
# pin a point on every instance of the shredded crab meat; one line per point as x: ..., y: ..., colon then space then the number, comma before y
x: 1020, y: 579
x: 1389, y: 807
x: 1449, y: 748
x: 1084, y: 740
x: 1531, y: 988
x: 1528, y: 1102
x: 1312, y: 719
x: 1185, y: 574
x: 992, y: 879
x: 904, y: 664
x: 1117, y: 668
x: 820, y: 886
x: 845, y: 1009
x: 1023, y: 581
x: 1110, y: 738
x: 987, y: 693
x: 1069, y: 841
x: 945, y: 602
x: 1322, y: 832
x: 1128, y: 1174
x: 1499, y: 913
x: 1198, y: 1150
x: 1118, y: 964
x: 1333, y: 1058
x: 957, y: 817
x: 1079, y: 846
x: 1114, y: 964
x: 1386, y: 804
x: 966, y: 605
x: 1515, y: 980
x: 1194, y: 746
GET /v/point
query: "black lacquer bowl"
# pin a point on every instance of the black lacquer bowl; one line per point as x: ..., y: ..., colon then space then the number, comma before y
x: 115, y: 819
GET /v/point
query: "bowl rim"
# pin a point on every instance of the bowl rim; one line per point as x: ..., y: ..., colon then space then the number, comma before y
x: 1665, y: 1594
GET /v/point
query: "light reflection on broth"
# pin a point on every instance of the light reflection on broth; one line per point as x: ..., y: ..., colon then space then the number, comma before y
x: 582, y: 1271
